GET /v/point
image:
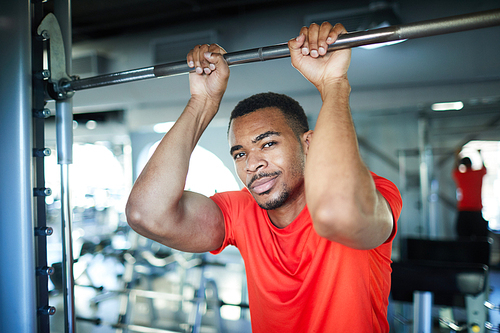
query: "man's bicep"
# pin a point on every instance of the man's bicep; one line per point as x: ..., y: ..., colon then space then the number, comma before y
x: 199, y: 225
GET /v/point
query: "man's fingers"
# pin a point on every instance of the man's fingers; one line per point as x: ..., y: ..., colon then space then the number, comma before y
x: 204, y: 64
x: 312, y: 37
x: 193, y: 59
x: 214, y: 57
x: 190, y: 59
x: 335, y: 32
x: 315, y: 39
x: 323, y: 35
x: 216, y: 48
x: 196, y: 59
x: 205, y: 57
x: 303, y: 37
x: 299, y: 44
x: 296, y: 45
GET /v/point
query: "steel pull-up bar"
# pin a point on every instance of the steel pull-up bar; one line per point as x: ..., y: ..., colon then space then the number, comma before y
x: 428, y: 28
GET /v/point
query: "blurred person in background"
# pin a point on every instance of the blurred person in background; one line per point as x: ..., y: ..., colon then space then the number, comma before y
x: 470, y: 222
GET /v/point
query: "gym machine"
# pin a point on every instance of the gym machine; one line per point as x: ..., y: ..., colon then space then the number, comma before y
x: 450, y: 273
x: 24, y: 30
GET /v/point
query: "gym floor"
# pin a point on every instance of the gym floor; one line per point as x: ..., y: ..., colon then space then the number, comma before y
x: 105, y: 287
x: 159, y: 294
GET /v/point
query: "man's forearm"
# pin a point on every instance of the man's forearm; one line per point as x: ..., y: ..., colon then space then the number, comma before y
x: 159, y: 188
x: 340, y: 191
x: 334, y: 150
x: 334, y: 165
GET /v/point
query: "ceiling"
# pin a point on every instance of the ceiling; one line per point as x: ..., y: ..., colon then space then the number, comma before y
x: 460, y: 66
x: 94, y: 19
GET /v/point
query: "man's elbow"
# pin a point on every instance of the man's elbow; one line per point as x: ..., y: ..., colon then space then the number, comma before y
x: 134, y: 215
x: 332, y: 224
x: 149, y: 220
x: 139, y: 215
x: 347, y: 227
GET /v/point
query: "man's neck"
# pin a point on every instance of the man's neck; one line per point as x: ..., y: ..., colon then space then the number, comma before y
x: 288, y: 212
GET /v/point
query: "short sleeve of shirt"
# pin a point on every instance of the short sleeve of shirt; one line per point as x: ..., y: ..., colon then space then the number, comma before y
x: 391, y: 193
x: 230, y: 203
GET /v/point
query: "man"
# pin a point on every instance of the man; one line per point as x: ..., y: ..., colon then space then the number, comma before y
x: 313, y: 225
x: 470, y: 221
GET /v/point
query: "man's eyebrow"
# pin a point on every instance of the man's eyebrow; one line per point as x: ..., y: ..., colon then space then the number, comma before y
x: 235, y: 148
x: 265, y: 135
x: 257, y: 139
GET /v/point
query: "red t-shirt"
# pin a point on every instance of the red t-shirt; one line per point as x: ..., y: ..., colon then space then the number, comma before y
x: 300, y: 282
x: 469, y: 185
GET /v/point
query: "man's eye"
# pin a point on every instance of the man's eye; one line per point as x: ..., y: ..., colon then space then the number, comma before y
x: 269, y: 144
x: 238, y: 155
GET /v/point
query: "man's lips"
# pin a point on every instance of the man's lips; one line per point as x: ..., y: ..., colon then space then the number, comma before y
x: 263, y: 183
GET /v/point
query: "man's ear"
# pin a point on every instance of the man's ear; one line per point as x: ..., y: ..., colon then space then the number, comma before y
x: 306, y: 140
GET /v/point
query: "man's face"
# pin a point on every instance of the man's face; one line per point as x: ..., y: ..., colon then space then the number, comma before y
x: 269, y: 158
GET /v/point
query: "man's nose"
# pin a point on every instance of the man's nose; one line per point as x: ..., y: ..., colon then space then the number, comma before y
x: 255, y: 161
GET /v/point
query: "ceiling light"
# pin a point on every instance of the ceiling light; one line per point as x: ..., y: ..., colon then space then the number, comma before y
x: 91, y: 124
x: 163, y: 127
x: 448, y: 106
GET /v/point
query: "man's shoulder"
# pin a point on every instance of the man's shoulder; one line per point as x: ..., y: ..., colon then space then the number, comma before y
x: 233, y: 198
x: 241, y: 194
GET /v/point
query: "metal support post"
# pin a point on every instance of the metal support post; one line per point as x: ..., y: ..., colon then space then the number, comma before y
x: 39, y: 153
x: 422, y: 312
x: 17, y: 281
x: 199, y: 307
x: 215, y: 303
x: 64, y: 132
x: 402, y: 189
x: 424, y: 176
x: 428, y: 185
x: 67, y: 259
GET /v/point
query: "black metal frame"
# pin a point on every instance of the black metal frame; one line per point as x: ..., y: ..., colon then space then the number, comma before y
x: 39, y: 152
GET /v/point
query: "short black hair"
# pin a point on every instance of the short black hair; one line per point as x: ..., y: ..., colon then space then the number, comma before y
x: 291, y: 109
x: 466, y: 161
